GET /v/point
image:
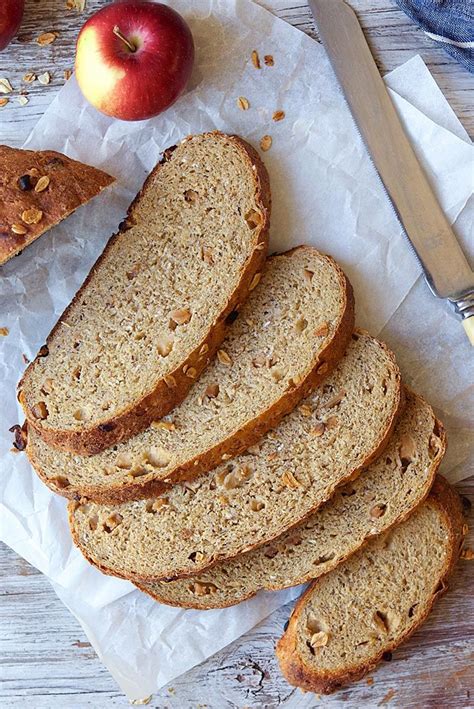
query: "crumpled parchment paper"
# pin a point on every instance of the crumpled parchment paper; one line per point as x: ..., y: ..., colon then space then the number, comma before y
x: 326, y: 193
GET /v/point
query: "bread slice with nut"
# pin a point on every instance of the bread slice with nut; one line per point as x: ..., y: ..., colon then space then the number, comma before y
x: 288, y: 336
x: 338, y: 430
x: 38, y: 189
x: 367, y: 606
x: 383, y: 495
x: 154, y: 308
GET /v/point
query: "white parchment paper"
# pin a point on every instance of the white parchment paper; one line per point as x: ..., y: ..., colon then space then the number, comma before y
x: 326, y: 193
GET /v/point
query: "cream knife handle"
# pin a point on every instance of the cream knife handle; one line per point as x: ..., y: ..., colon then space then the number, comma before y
x: 464, y: 307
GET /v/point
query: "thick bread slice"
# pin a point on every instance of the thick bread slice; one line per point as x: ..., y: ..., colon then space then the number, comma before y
x: 153, y: 309
x: 344, y: 623
x: 38, y: 189
x: 259, y: 495
x: 289, y: 334
x: 383, y: 495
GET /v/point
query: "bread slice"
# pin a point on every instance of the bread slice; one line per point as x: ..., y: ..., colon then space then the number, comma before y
x: 38, y: 189
x: 382, y: 496
x: 153, y: 309
x: 340, y: 428
x: 344, y: 623
x: 289, y: 334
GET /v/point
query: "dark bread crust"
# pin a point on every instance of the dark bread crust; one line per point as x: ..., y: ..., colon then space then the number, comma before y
x: 296, y: 581
x: 174, y: 573
x: 161, y: 398
x: 249, y: 434
x: 72, y: 185
x: 448, y: 503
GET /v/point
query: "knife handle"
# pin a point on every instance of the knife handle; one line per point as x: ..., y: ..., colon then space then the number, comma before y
x: 464, y: 307
x: 468, y: 324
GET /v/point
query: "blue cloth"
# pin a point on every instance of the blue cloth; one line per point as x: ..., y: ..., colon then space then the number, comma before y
x: 450, y: 23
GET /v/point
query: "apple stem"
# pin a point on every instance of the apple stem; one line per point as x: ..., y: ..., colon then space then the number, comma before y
x: 119, y: 34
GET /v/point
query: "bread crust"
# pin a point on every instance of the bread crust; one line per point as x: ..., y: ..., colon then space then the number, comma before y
x: 436, y: 462
x: 174, y: 573
x: 72, y: 184
x: 161, y: 399
x: 447, y: 501
x: 246, y: 436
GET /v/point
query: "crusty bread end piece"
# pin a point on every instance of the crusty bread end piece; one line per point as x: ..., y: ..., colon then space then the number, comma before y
x: 288, y: 336
x: 328, y: 440
x: 383, y: 495
x: 153, y: 310
x: 38, y: 189
x: 346, y: 620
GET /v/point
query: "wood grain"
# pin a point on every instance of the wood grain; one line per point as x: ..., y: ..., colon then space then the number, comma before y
x: 46, y: 661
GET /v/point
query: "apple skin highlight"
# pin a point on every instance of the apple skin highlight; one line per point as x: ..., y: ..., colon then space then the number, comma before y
x: 134, y: 59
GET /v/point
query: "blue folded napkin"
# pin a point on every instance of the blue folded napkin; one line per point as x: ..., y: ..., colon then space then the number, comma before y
x: 448, y: 22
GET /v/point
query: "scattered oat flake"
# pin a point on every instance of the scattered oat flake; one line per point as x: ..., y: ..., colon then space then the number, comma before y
x: 266, y: 143
x: 23, y: 100
x: 29, y: 77
x: 141, y: 702
x: 370, y: 681
x: 4, y: 331
x: 78, y: 5
x: 243, y: 103
x: 67, y: 74
x: 268, y: 59
x: 467, y: 554
x: 255, y: 59
x: 47, y: 38
x: 3, y: 102
x: 278, y: 116
x: 19, y: 229
x: 388, y: 697
x: 44, y: 78
x: 5, y: 86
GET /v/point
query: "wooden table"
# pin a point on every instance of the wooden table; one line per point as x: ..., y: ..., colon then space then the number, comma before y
x: 46, y: 660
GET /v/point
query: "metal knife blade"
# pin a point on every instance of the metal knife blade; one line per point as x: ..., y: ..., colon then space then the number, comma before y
x: 445, y: 266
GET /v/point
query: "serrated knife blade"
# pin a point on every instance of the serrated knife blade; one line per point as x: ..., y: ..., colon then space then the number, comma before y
x: 444, y: 264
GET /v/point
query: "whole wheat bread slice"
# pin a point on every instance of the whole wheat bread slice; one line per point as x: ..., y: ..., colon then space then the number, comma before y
x: 383, y: 495
x: 288, y: 336
x: 338, y: 430
x: 38, y: 189
x: 367, y: 606
x: 153, y: 309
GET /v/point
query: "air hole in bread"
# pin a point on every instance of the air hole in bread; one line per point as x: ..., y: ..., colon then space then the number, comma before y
x: 77, y: 373
x: 381, y: 620
x: 191, y: 196
x: 301, y: 325
x: 93, y: 522
x: 112, y: 522
x: 411, y: 610
x: 253, y: 219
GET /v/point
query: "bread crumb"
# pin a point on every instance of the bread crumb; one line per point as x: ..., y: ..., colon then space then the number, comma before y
x: 255, y: 59
x: 46, y: 38
x: 467, y: 554
x: 268, y: 59
x: 4, y: 331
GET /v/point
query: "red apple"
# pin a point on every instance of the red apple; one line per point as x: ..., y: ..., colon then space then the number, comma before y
x: 11, y: 12
x: 134, y: 58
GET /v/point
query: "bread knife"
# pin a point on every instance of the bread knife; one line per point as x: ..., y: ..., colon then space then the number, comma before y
x: 445, y: 266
